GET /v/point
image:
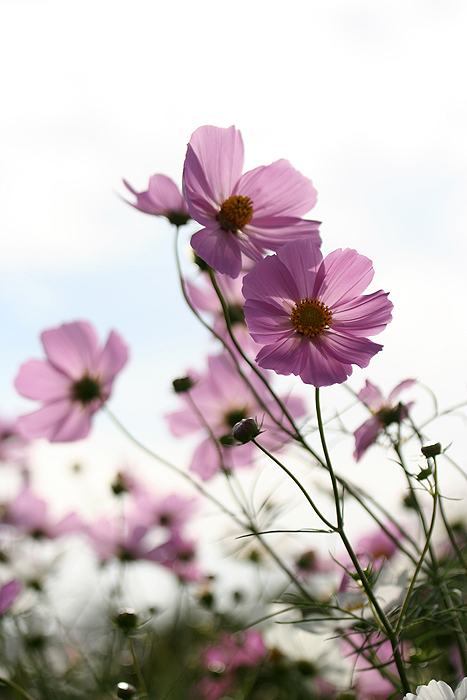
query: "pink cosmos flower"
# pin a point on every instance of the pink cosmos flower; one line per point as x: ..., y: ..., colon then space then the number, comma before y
x: 309, y: 313
x: 242, y: 213
x: 385, y: 412
x: 231, y: 653
x: 30, y: 514
x: 73, y: 382
x: 219, y: 400
x: 162, y: 198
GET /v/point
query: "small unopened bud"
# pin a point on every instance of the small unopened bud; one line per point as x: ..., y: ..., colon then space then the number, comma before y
x: 246, y: 430
x: 126, y: 619
x: 125, y: 690
x: 182, y: 384
x: 431, y: 449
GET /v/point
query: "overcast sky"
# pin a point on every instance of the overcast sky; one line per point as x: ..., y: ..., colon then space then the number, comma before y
x: 366, y: 98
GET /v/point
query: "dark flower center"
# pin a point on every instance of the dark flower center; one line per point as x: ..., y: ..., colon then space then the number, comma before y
x: 178, y: 218
x: 86, y: 390
x: 310, y: 317
x: 235, y: 417
x: 235, y: 213
x: 236, y: 314
x: 392, y: 415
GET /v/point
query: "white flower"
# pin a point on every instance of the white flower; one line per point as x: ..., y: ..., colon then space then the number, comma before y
x: 439, y: 690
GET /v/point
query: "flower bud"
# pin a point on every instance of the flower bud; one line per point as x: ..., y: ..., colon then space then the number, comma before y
x: 431, y: 449
x: 126, y: 619
x: 125, y: 690
x: 246, y: 430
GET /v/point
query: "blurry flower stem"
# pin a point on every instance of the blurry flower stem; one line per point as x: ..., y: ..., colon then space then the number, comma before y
x: 378, y: 611
x: 14, y: 686
x: 139, y: 675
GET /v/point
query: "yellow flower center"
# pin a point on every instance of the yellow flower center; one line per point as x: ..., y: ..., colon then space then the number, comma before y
x: 235, y: 213
x: 310, y: 317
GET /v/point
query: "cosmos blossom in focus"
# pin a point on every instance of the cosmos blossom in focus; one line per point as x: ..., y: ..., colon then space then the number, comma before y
x: 250, y: 213
x: 309, y: 313
x: 385, y: 412
x: 162, y: 198
x: 73, y: 382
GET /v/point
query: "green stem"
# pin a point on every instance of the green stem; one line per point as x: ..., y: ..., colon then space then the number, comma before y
x: 16, y: 687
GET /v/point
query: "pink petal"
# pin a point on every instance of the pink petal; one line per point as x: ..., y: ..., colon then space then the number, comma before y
x: 277, y: 190
x: 320, y: 368
x: 61, y: 421
x: 161, y: 197
x: 287, y: 356
x: 220, y: 155
x: 272, y: 281
x: 348, y: 349
x: 220, y: 249
x: 365, y: 315
x: 206, y: 460
x: 348, y: 274
x: 8, y: 594
x: 38, y: 379
x: 371, y: 396
x: 274, y: 232
x: 406, y: 384
x: 72, y: 348
x: 365, y: 436
x: 266, y: 323
x: 303, y: 260
x: 76, y: 424
x: 114, y: 356
x: 165, y: 195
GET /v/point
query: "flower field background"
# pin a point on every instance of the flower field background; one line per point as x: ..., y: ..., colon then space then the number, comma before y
x: 232, y: 424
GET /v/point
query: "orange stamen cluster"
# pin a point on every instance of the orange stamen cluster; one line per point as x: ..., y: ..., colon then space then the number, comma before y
x: 310, y: 317
x: 235, y: 213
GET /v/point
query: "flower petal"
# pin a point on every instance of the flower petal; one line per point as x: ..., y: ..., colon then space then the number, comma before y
x: 347, y: 274
x: 38, y: 379
x: 365, y: 315
x: 348, y: 349
x: 220, y: 249
x: 72, y: 348
x: 114, y: 356
x: 371, y: 396
x: 365, y: 436
x: 277, y: 190
x: 406, y: 384
x: 213, y: 165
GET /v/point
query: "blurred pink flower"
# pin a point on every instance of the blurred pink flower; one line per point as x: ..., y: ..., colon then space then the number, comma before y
x: 368, y: 681
x: 309, y: 314
x: 73, y: 382
x: 13, y: 445
x: 8, y: 594
x: 171, y: 512
x: 30, y: 514
x: 179, y: 555
x: 219, y: 400
x: 242, y: 213
x: 231, y: 653
x: 385, y: 412
x: 162, y: 198
x: 124, y: 538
